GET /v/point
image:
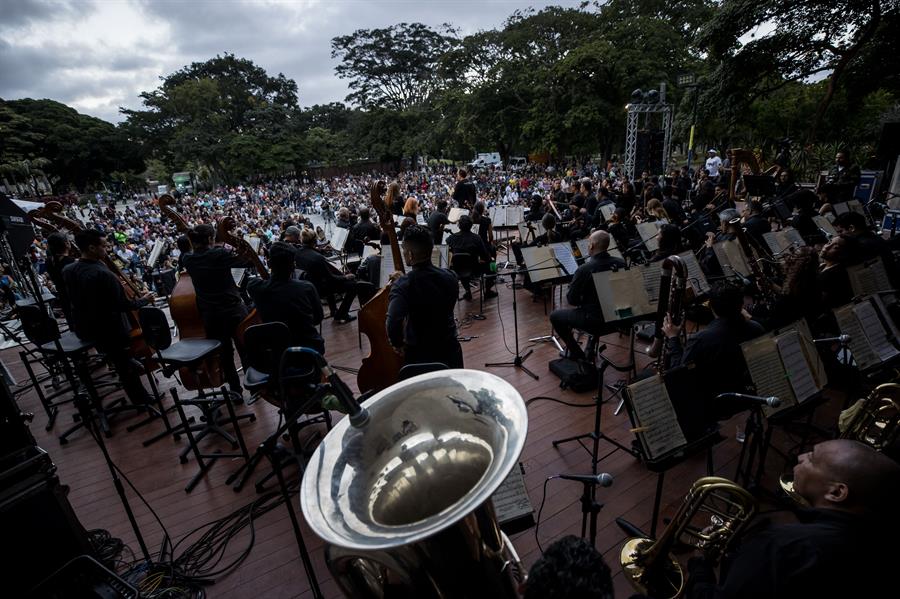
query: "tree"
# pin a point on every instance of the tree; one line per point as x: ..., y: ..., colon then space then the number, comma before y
x: 227, y: 113
x: 758, y: 47
x: 394, y: 67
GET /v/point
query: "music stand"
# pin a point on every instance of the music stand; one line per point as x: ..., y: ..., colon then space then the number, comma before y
x: 518, y: 360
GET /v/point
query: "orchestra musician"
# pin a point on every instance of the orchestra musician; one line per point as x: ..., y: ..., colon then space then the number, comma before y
x: 218, y: 297
x: 464, y: 193
x: 58, y: 257
x: 466, y: 242
x: 321, y: 274
x: 420, y: 319
x: 582, y: 294
x: 293, y: 302
x: 98, y: 309
x: 715, y: 352
x: 437, y: 220
x: 364, y: 231
x: 850, y: 526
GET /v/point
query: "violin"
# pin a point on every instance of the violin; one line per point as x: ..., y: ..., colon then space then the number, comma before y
x: 381, y: 368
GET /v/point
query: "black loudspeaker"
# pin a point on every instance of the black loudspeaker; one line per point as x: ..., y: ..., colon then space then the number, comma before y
x: 889, y: 142
x: 642, y: 152
x: 655, y: 151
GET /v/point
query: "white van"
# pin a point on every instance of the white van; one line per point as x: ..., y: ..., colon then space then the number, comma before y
x: 516, y: 163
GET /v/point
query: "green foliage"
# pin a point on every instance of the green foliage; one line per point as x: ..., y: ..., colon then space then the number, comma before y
x: 43, y: 137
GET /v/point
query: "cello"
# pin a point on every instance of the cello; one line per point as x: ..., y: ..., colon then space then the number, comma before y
x: 381, y: 368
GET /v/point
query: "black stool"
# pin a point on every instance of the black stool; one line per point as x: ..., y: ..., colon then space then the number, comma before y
x: 192, y: 354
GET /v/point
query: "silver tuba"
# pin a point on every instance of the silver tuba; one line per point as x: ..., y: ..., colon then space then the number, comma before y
x: 404, y: 503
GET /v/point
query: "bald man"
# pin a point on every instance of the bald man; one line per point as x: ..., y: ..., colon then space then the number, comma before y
x: 586, y: 315
x: 842, y: 546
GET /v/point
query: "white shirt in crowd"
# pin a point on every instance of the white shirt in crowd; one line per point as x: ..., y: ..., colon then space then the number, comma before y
x: 712, y: 165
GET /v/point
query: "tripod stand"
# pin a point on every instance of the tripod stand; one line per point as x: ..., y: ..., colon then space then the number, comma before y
x: 518, y: 361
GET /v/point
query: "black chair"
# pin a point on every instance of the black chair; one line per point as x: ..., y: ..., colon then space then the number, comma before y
x: 193, y: 354
x: 288, y: 380
x: 466, y: 268
x: 70, y: 354
x: 411, y: 370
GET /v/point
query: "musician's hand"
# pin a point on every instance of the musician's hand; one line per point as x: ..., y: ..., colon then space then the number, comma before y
x: 710, y: 239
x: 148, y: 297
x: 670, y: 329
x: 746, y: 314
x: 350, y: 277
x: 395, y: 275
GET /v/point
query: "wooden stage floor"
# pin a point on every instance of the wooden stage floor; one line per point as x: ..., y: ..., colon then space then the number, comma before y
x: 273, y: 568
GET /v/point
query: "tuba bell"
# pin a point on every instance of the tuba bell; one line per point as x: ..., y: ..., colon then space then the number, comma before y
x: 404, y: 503
x: 650, y: 566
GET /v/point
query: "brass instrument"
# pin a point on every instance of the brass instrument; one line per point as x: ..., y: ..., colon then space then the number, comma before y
x: 404, y: 503
x: 671, y: 297
x: 874, y: 421
x: 650, y: 566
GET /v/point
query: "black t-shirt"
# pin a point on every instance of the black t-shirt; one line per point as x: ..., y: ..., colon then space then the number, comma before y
x: 210, y: 270
x: 468, y: 243
x: 464, y: 193
x: 436, y: 222
x: 421, y: 307
x: 295, y: 303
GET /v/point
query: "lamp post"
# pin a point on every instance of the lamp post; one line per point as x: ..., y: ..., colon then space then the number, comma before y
x: 689, y: 81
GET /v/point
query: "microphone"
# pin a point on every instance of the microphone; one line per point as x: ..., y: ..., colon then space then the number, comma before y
x: 772, y: 401
x: 603, y: 479
x: 842, y: 339
x: 358, y: 415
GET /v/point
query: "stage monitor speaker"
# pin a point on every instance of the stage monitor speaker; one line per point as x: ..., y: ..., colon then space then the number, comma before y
x: 17, y: 225
x: 641, y: 153
x: 657, y: 143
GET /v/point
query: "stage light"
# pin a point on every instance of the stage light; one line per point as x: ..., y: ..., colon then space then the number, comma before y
x: 637, y: 96
x: 652, y: 97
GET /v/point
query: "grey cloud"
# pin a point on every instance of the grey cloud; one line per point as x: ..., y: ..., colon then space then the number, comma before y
x: 18, y: 13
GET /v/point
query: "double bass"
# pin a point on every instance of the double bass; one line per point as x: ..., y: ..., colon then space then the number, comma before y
x: 51, y: 217
x: 381, y: 368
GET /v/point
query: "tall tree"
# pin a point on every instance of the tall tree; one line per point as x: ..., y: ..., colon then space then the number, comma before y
x: 760, y: 46
x: 226, y: 113
x: 393, y: 67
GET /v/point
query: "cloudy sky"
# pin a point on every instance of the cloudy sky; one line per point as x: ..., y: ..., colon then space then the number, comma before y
x: 97, y: 55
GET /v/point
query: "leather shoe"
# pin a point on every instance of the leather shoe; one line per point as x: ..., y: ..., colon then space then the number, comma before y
x: 345, y: 319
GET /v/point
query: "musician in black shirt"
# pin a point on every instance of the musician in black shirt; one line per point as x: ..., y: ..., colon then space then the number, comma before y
x: 218, y: 297
x: 420, y: 321
x: 437, y: 220
x: 849, y: 527
x: 464, y: 193
x: 98, y: 309
x: 364, y: 231
x: 466, y: 242
x: 293, y: 302
x: 586, y: 316
x: 58, y: 248
x: 324, y: 276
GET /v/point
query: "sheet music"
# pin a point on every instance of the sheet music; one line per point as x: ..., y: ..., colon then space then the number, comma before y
x: 773, y: 241
x: 794, y: 359
x: 767, y: 371
x: 649, y: 233
x: 511, y: 497
x: 885, y: 317
x: 387, y: 265
x: 813, y: 359
x: 652, y: 274
x: 731, y: 257
x: 653, y: 411
x: 622, y: 294
x: 869, y: 277
x: 158, y: 247
x: 824, y: 224
x: 237, y: 274
x: 607, y: 210
x: 849, y: 324
x: 368, y: 250
x: 790, y: 235
x: 253, y: 241
x: 498, y: 216
x: 537, y: 261
x: 874, y: 331
x: 455, y: 213
x: 514, y: 215
x: 440, y: 256
x: 856, y: 206
x: 339, y: 238
x: 563, y: 253
x: 582, y: 245
x: 696, y: 278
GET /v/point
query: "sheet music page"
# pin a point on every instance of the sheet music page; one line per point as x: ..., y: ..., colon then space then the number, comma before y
x: 511, y: 497
x: 767, y: 371
x: 794, y: 359
x: 696, y: 278
x: 849, y: 324
x: 824, y: 224
x: 368, y: 250
x: 158, y: 247
x: 622, y: 294
x: 869, y: 277
x: 791, y: 235
x: 874, y: 331
x: 498, y: 216
x: 614, y: 249
x: 537, y: 261
x: 582, y: 245
x: 649, y: 235
x: 813, y: 359
x: 856, y: 206
x: 237, y: 274
x: 455, y: 213
x: 514, y: 214
x: 339, y: 238
x: 885, y: 317
x: 420, y: 218
x: 387, y: 265
x: 607, y: 210
x: 652, y: 273
x: 773, y: 242
x: 653, y: 412
x: 563, y: 253
x: 840, y: 208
